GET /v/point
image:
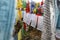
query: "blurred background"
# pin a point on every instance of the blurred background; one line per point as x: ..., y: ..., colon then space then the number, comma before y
x: 24, y: 19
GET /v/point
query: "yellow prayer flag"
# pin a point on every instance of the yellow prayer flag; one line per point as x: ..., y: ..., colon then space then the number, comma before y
x: 19, y: 4
x: 19, y: 14
x: 37, y: 5
x: 34, y: 11
x: 20, y: 35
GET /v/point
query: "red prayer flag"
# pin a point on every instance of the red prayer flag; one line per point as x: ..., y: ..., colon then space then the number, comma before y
x: 24, y: 26
x: 42, y: 2
x: 27, y: 8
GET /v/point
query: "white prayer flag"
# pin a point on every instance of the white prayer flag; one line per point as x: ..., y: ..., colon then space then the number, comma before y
x: 33, y: 20
x: 40, y: 23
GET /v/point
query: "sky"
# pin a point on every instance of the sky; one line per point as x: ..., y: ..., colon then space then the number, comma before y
x: 35, y: 1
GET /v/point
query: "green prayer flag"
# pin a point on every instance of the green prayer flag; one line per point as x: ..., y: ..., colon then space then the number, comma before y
x: 24, y: 3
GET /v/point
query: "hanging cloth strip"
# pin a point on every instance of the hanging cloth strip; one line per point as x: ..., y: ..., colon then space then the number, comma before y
x: 20, y: 35
x: 24, y: 3
x: 19, y: 7
x: 28, y: 7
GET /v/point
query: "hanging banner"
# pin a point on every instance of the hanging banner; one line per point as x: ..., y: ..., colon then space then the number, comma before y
x: 28, y: 7
x: 19, y: 3
x: 33, y: 20
x: 24, y: 3
x: 19, y: 9
x: 40, y: 23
